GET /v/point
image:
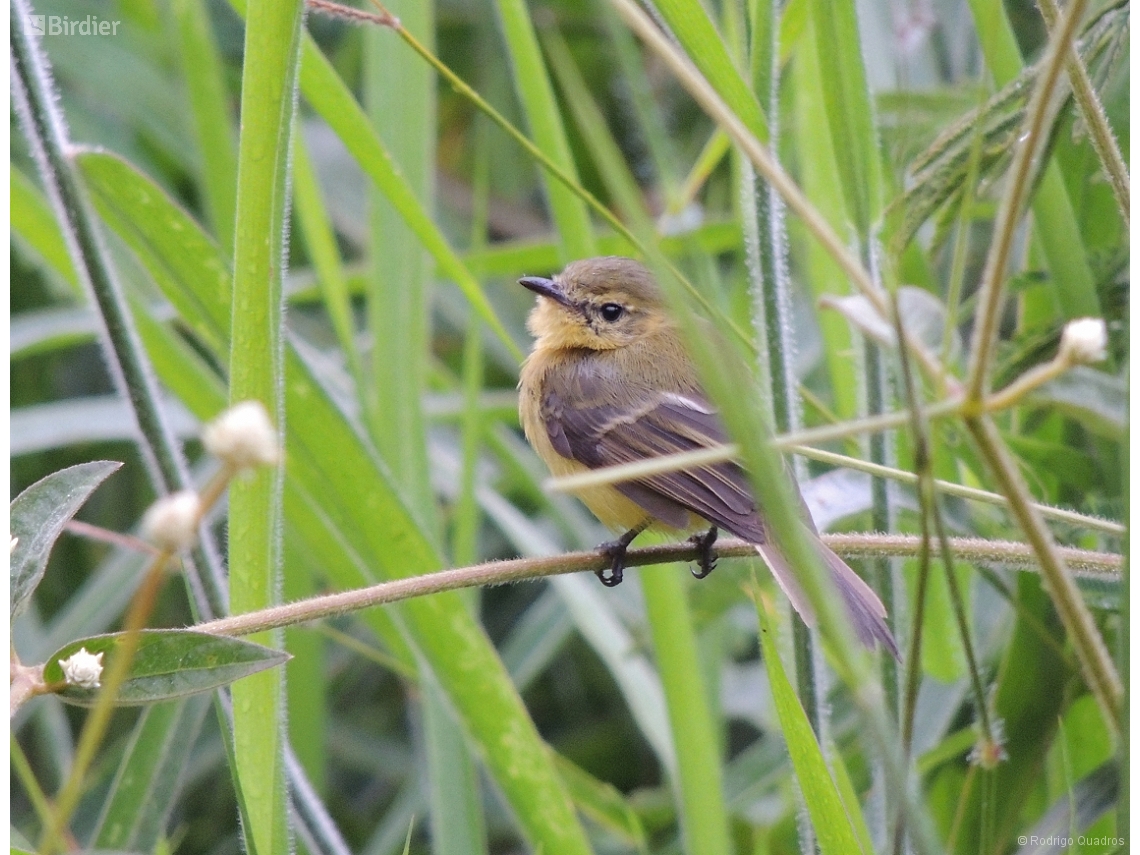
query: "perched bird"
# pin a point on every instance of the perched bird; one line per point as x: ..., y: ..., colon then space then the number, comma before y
x: 609, y: 381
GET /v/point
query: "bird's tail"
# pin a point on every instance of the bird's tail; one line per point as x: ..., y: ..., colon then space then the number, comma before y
x: 863, y: 605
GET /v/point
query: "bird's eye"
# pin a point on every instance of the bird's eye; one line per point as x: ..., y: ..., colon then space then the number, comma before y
x: 611, y: 312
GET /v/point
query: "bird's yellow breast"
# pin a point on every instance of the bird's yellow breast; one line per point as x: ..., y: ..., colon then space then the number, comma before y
x: 613, y: 509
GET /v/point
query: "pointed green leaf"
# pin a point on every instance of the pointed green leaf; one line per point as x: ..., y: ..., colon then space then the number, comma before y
x: 169, y: 663
x: 833, y: 827
x: 185, y: 263
x: 38, y: 515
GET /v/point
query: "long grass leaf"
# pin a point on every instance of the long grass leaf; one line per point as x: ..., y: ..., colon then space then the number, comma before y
x: 210, y: 116
x: 699, y: 784
x: 834, y: 830
x: 571, y: 217
x: 269, y: 80
x: 691, y: 25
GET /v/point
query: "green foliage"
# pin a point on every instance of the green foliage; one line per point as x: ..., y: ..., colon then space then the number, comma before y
x: 168, y: 664
x: 36, y: 519
x: 384, y: 331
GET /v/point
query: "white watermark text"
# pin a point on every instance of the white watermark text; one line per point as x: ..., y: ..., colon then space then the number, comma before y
x: 62, y: 25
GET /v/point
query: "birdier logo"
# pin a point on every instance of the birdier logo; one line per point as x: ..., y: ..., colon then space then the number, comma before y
x: 61, y: 25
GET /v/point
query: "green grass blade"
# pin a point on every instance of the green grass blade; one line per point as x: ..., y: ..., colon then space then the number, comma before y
x: 272, y: 56
x: 398, y: 300
x: 184, y: 263
x: 320, y: 241
x: 847, y: 106
x: 834, y: 830
x: 571, y: 217
x: 399, y: 304
x: 307, y: 691
x: 148, y: 779
x: 698, y: 35
x: 662, y: 149
x: 457, y: 823
x: 820, y: 179
x: 210, y: 116
x: 591, y: 123
x: 37, y: 229
x: 700, y: 789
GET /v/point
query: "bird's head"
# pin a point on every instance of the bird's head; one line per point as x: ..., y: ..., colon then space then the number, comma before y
x: 597, y: 304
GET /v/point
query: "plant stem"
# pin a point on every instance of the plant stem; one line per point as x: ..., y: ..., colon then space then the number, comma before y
x: 931, y: 512
x: 1091, y: 564
x: 949, y: 488
x: 1096, y: 664
x: 95, y: 726
x: 704, y: 457
x: 1009, y: 209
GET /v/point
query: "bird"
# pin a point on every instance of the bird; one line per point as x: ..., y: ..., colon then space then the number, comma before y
x: 609, y: 381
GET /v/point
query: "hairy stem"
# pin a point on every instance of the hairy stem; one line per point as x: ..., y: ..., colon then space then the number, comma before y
x: 1094, y: 564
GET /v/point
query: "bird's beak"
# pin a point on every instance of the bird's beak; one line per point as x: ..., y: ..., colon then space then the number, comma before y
x: 547, y: 288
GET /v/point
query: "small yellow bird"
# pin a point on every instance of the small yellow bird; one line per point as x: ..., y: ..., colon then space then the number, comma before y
x: 609, y: 381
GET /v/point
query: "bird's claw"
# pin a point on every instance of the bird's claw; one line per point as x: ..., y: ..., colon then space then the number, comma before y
x: 706, y: 561
x: 615, y: 551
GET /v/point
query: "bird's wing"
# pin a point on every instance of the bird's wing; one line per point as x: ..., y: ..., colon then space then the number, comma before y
x: 604, y: 434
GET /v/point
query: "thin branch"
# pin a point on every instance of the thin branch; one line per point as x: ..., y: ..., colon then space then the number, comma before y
x: 719, y: 454
x: 106, y: 535
x: 1097, y: 565
x: 1096, y: 663
x: 1021, y: 170
x: 930, y: 510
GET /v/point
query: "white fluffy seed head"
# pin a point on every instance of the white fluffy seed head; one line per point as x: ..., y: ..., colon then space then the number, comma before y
x: 83, y: 669
x: 171, y: 523
x: 1085, y: 341
x: 243, y: 437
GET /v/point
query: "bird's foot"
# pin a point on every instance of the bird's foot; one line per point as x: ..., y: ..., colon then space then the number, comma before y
x: 615, y: 551
x: 706, y: 561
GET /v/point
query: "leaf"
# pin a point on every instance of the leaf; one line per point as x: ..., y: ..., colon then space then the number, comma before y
x: 1094, y: 398
x: 35, y: 226
x: 833, y: 827
x: 38, y: 515
x: 185, y: 263
x: 168, y: 664
x: 71, y: 421
x: 148, y: 781
x: 923, y: 316
x: 570, y: 215
x: 49, y: 330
